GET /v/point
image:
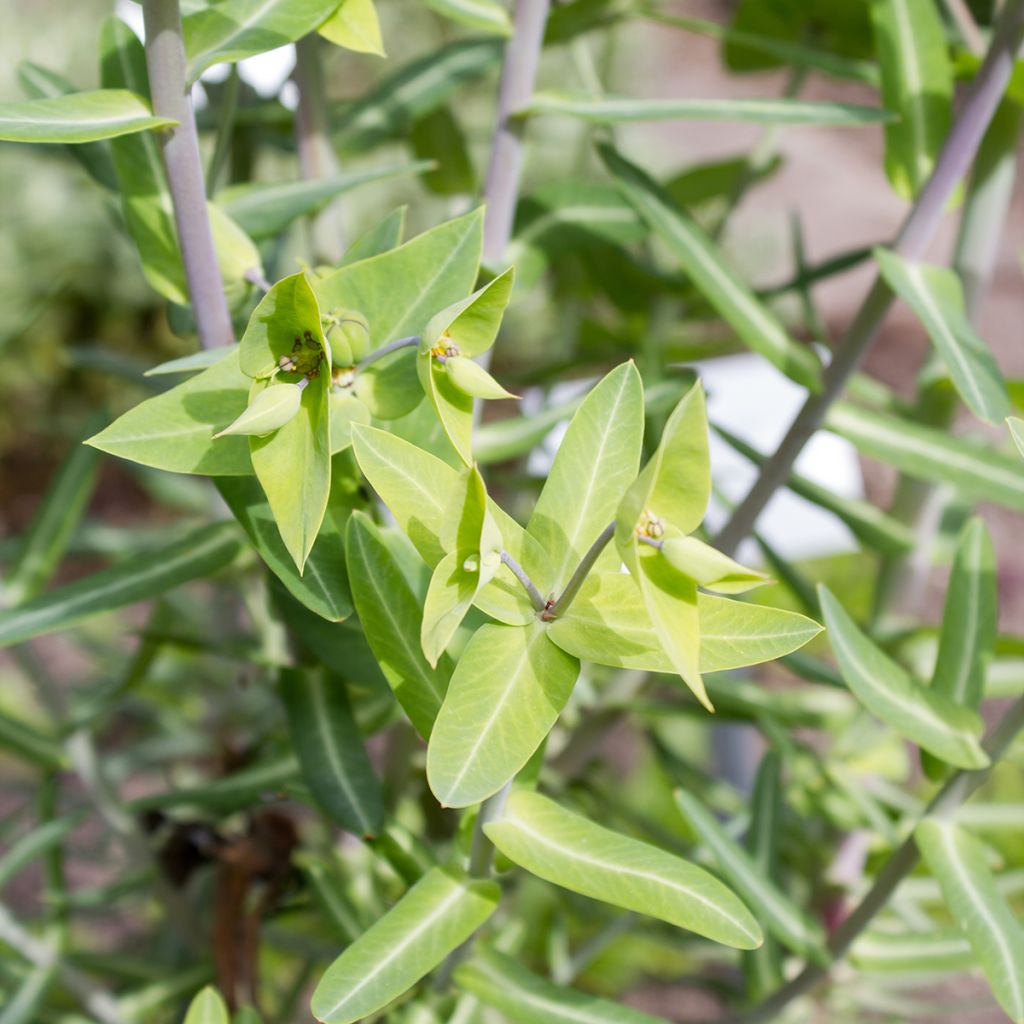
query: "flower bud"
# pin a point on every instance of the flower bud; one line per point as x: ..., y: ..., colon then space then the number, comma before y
x: 472, y: 379
x: 268, y: 410
x: 348, y: 335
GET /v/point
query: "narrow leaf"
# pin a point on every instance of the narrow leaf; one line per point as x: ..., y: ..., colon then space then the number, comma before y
x: 482, y: 15
x: 932, y: 951
x: 568, y: 850
x: 77, y: 117
x: 435, y: 916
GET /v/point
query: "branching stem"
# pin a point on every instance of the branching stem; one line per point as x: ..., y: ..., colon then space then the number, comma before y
x: 386, y: 350
x: 536, y: 598
x: 572, y: 588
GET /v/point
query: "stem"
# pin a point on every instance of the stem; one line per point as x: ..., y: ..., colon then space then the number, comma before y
x: 386, y: 350
x: 901, y: 862
x: 536, y: 598
x: 965, y: 25
x: 225, y: 128
x: 980, y: 103
x: 165, y: 59
x: 313, y: 141
x: 582, y: 570
x: 518, y: 72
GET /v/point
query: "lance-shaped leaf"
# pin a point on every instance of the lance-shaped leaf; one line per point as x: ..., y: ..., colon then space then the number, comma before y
x: 596, y: 462
x: 174, y: 430
x: 917, y: 84
x: 265, y: 209
x: 435, y: 916
x: 385, y: 235
x: 608, y: 625
x: 334, y: 761
x: 773, y: 908
x: 968, y: 631
x: 472, y: 379
x: 78, y: 117
x: 708, y: 567
x: 622, y: 110
x: 391, y: 618
x: 138, y: 578
x: 938, y: 951
x: 355, y: 26
x: 755, y: 324
x: 472, y: 540
x: 977, y: 470
x: 208, y: 1007
x: 568, y: 850
x: 506, y: 693
x: 193, y: 363
x: 235, y: 29
x: 465, y: 328
x: 481, y: 15
x: 936, y: 296
x: 923, y: 716
x: 959, y: 863
x: 269, y: 409
x: 520, y: 995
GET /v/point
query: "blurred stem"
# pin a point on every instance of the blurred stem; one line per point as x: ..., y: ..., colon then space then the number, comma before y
x: 225, y: 129
x: 317, y: 158
x: 979, y: 106
x: 900, y: 863
x: 169, y: 90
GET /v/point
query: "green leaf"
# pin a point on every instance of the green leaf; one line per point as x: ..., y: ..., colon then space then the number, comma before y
x: 917, y: 85
x: 932, y: 951
x: 208, y: 1007
x: 435, y: 916
x: 391, y: 617
x: 174, y: 430
x: 23, y: 1001
x: 265, y: 209
x: 439, y: 138
x: 267, y: 411
x: 78, y: 117
x: 755, y: 324
x: 923, y: 716
x: 520, y: 995
x: 355, y: 26
x: 278, y: 328
x: 597, y: 460
x: 622, y: 110
x: 977, y: 470
x: 959, y: 863
x: 233, y: 29
x: 969, y: 620
x: 607, y: 625
x: 570, y: 851
x: 30, y: 848
x: 780, y: 915
x: 31, y: 745
x: 330, y: 748
x: 482, y: 15
x: 708, y: 567
x: 193, y: 363
x: 201, y: 553
x: 1016, y: 432
x: 936, y: 296
x: 386, y: 234
x: 472, y: 379
x: 506, y: 693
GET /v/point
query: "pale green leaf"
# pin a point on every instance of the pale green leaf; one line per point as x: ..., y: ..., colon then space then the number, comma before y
x: 708, y: 567
x: 193, y: 363
x: 506, y: 693
x: 355, y: 26
x: 471, y: 324
x: 917, y: 85
x: 959, y: 863
x: 234, y: 29
x: 596, y: 462
x: 449, y: 597
x: 755, y: 324
x: 174, y: 430
x: 482, y: 15
x: 386, y: 234
x: 977, y: 470
x: 267, y: 411
x: 435, y: 916
x: 473, y: 380
x: 392, y: 620
x: 568, y: 850
x: 208, y: 1007
x: 138, y: 578
x: 936, y: 296
x: 330, y: 748
x: 777, y: 912
x: 284, y: 325
x: 918, y: 713
x: 522, y: 996
x: 619, y: 110
x: 78, y: 117
x: 932, y: 951
x: 1016, y: 432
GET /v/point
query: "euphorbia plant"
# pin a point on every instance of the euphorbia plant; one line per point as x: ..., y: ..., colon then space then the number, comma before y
x: 443, y: 647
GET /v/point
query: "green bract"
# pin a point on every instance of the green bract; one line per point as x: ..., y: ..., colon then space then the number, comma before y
x: 268, y: 409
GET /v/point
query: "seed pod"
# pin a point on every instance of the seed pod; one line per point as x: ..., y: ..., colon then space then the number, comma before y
x: 267, y: 411
x: 348, y: 336
x: 472, y: 379
x: 709, y: 567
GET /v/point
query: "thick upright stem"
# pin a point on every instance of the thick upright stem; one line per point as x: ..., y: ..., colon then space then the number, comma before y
x: 165, y: 59
x: 902, y: 861
x: 506, y: 164
x: 980, y: 103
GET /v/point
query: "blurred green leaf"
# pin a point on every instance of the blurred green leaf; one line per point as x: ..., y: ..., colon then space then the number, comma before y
x: 78, y: 117
x: 936, y: 951
x: 208, y: 1007
x: 482, y: 15
x: 355, y: 26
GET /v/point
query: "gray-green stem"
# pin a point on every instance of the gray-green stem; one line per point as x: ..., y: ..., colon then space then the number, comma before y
x: 536, y: 598
x: 903, y: 860
x: 386, y: 350
x: 169, y: 92
x: 561, y: 604
x: 980, y: 103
